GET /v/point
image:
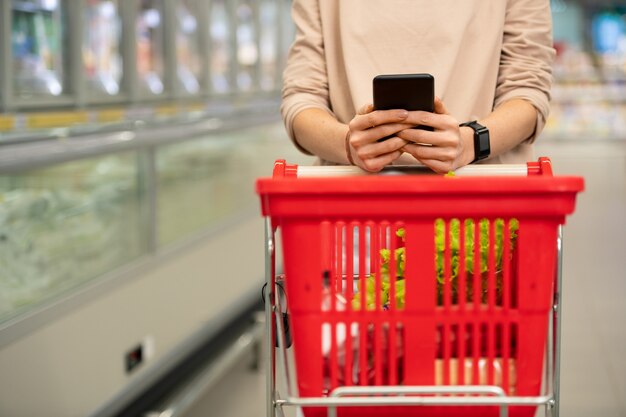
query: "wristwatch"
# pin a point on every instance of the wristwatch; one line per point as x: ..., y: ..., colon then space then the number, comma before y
x: 482, y: 148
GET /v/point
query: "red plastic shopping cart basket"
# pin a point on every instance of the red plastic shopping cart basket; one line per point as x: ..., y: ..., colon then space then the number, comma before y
x: 404, y: 280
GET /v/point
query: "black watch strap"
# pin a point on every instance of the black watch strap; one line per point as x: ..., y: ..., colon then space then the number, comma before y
x: 482, y: 146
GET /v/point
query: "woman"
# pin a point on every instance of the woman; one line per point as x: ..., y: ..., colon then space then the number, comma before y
x: 491, y: 60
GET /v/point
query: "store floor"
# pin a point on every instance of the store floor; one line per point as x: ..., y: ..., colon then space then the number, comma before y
x: 593, y: 376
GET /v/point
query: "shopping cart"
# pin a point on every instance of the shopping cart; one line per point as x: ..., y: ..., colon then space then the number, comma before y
x: 415, y: 295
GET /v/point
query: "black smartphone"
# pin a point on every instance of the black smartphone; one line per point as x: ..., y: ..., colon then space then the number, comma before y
x: 405, y: 91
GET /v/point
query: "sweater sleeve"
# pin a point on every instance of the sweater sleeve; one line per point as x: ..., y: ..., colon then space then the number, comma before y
x: 526, y: 59
x: 305, y: 80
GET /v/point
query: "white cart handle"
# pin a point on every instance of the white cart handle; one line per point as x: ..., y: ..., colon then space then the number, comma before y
x: 542, y: 167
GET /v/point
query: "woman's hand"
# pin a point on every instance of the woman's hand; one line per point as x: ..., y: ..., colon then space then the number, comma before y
x: 365, y: 131
x: 445, y: 149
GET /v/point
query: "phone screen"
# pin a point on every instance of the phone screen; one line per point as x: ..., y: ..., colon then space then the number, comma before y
x: 405, y: 91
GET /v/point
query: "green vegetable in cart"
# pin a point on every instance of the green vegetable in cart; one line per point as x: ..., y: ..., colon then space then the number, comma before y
x: 440, y: 244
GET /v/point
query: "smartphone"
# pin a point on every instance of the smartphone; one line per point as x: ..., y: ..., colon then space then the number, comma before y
x: 405, y: 91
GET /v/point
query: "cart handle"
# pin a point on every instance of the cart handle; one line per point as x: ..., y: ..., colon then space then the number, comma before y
x: 543, y: 167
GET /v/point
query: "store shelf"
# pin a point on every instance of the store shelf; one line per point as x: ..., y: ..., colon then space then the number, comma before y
x: 586, y: 92
x: 592, y: 119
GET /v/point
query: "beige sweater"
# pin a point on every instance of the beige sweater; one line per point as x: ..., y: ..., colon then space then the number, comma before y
x: 481, y: 53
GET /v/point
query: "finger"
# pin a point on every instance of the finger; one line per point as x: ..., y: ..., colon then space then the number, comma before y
x: 387, y: 130
x: 367, y: 108
x: 421, y: 152
x: 374, y: 150
x: 440, y: 108
x: 434, y: 153
x: 365, y: 137
x: 377, y: 117
x: 434, y: 120
x: 438, y: 138
x: 438, y: 166
x: 420, y: 136
x: 378, y: 163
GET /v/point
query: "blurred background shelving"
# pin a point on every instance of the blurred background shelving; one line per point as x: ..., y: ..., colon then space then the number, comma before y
x: 589, y: 92
x: 106, y: 62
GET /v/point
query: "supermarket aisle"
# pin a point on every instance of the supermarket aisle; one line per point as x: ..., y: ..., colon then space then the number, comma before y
x: 594, y: 336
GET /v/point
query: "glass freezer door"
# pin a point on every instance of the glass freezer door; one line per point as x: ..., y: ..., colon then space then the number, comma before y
x: 189, y: 67
x: 102, y: 60
x: 247, y: 46
x: 269, y: 44
x: 150, y: 41
x: 64, y: 225
x: 37, y: 47
x: 220, y: 62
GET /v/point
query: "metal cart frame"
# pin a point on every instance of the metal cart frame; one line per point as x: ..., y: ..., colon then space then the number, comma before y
x: 372, y: 396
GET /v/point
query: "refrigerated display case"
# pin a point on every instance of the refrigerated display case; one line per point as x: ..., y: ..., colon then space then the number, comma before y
x: 200, y: 182
x: 221, y: 47
x: 38, y: 51
x: 74, y: 208
x: 119, y: 239
x: 102, y: 49
x: 65, y: 225
x: 196, y: 186
x: 188, y: 51
x: 138, y: 52
x: 150, y: 38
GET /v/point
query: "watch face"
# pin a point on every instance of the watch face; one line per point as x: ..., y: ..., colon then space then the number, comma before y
x: 482, y: 146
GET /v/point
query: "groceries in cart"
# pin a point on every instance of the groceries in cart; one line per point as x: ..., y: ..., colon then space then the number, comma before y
x: 400, y: 260
x: 382, y: 293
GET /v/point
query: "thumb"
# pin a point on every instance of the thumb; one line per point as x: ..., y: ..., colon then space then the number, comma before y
x: 368, y: 108
x: 440, y: 108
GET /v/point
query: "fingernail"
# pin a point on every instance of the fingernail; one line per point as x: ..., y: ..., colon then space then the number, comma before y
x: 403, y: 114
